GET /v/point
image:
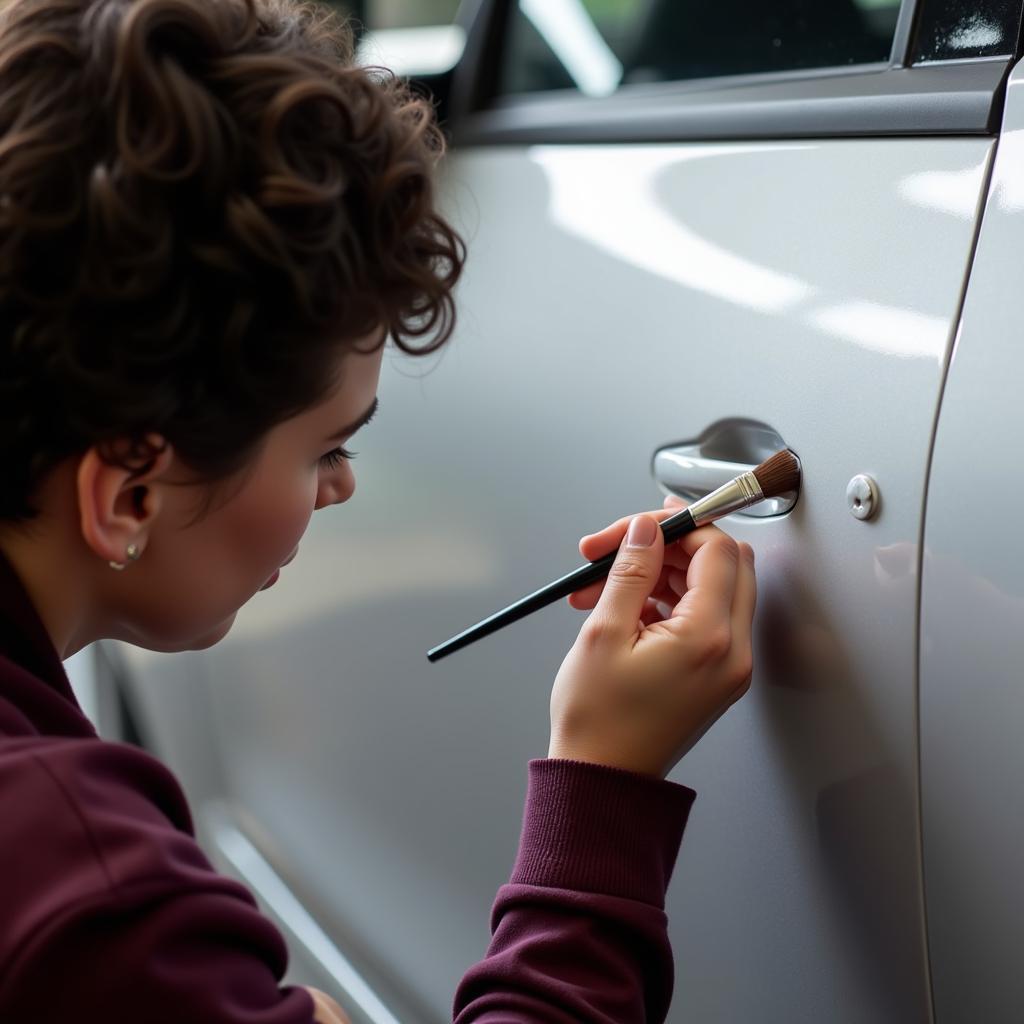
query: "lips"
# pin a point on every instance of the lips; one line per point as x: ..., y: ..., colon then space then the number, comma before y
x: 277, y: 572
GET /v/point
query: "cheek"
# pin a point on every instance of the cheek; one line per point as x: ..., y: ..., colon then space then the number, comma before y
x: 270, y: 525
x: 294, y: 517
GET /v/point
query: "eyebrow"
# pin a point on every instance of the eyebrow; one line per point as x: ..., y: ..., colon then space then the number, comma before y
x: 361, y: 422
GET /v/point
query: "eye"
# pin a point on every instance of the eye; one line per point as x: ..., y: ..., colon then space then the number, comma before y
x: 336, y: 457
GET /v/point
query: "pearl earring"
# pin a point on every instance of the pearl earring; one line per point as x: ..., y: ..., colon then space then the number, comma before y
x: 131, y: 553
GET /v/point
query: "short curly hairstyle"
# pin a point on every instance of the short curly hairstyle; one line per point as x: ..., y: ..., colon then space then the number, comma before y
x: 201, y: 205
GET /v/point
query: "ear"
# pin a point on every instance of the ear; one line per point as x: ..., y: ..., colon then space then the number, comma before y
x: 117, y: 505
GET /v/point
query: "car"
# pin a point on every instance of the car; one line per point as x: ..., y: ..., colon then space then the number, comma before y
x: 697, y: 233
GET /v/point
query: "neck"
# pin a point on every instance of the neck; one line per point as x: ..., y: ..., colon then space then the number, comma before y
x: 48, y: 562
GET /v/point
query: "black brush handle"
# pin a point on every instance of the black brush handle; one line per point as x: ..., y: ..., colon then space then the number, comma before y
x: 673, y: 528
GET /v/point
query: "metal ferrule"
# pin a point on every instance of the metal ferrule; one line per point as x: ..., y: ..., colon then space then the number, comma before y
x: 736, y: 494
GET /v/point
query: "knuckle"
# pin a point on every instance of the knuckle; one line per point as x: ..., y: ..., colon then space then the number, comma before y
x: 747, y: 553
x: 727, y: 546
x: 628, y: 570
x: 594, y: 634
x: 743, y: 673
x: 716, y: 643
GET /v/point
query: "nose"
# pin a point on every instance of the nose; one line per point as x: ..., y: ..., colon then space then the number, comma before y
x: 337, y: 489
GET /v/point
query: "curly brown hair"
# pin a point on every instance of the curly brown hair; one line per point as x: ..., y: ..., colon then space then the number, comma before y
x: 199, y: 203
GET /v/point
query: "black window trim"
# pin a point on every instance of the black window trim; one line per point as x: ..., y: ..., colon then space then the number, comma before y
x: 902, y: 36
x: 962, y: 97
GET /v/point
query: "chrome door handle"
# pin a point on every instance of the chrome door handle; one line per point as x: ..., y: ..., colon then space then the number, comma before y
x: 685, y: 470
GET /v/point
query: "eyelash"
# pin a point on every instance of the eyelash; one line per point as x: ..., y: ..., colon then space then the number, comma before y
x: 334, y: 458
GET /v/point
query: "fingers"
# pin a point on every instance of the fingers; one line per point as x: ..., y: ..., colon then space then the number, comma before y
x: 743, y: 605
x: 745, y: 599
x: 596, y: 545
x: 726, y: 589
x: 715, y: 587
x: 670, y: 587
x: 670, y: 506
x: 327, y: 1011
x: 654, y: 611
x: 710, y: 580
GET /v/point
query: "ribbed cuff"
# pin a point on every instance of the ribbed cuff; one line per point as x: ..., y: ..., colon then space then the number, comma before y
x: 594, y: 828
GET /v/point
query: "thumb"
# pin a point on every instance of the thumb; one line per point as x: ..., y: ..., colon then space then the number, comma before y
x: 632, y: 577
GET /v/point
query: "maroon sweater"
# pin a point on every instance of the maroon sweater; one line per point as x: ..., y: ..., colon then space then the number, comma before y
x: 110, y: 912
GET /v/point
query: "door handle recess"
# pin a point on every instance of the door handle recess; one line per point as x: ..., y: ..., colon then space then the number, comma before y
x: 694, y: 469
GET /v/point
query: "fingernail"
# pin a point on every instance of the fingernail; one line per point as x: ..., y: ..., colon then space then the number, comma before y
x: 642, y: 530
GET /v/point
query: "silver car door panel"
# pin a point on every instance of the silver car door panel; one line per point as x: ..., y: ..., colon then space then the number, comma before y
x: 320, y: 962
x: 810, y: 285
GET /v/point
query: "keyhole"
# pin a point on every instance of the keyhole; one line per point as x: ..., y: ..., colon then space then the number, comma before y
x: 862, y: 497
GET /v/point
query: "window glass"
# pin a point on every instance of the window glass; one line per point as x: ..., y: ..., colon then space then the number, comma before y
x: 596, y: 46
x: 385, y: 14
x: 953, y: 30
x: 413, y: 38
x: 409, y: 13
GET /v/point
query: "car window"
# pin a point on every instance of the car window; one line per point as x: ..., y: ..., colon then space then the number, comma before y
x: 413, y: 38
x: 597, y: 46
x: 396, y: 14
x: 958, y: 29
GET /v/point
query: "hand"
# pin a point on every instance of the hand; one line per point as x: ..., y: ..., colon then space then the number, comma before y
x: 665, y: 652
x: 327, y: 1010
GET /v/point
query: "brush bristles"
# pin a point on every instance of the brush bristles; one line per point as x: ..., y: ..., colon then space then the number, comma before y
x: 779, y: 474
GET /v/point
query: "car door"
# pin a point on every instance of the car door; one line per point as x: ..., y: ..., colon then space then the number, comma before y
x: 695, y: 233
x: 972, y: 645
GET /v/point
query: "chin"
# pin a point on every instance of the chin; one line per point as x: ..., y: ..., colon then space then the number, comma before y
x: 167, y: 645
x: 201, y: 643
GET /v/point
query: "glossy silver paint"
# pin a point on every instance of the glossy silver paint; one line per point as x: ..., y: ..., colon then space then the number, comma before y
x: 620, y: 300
x: 394, y: 791
x: 701, y: 282
x: 972, y: 628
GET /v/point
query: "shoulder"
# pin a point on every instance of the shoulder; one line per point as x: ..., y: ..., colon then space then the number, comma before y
x: 111, y: 910
x: 89, y: 822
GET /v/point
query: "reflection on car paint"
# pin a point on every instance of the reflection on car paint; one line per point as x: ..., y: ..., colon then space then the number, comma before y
x: 638, y: 229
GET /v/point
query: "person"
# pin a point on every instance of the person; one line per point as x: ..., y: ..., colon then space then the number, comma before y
x: 211, y: 224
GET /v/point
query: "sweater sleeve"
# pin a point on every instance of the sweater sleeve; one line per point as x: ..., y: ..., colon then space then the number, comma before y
x: 579, y: 933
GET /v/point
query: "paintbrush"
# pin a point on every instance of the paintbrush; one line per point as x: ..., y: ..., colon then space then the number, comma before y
x: 778, y: 474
